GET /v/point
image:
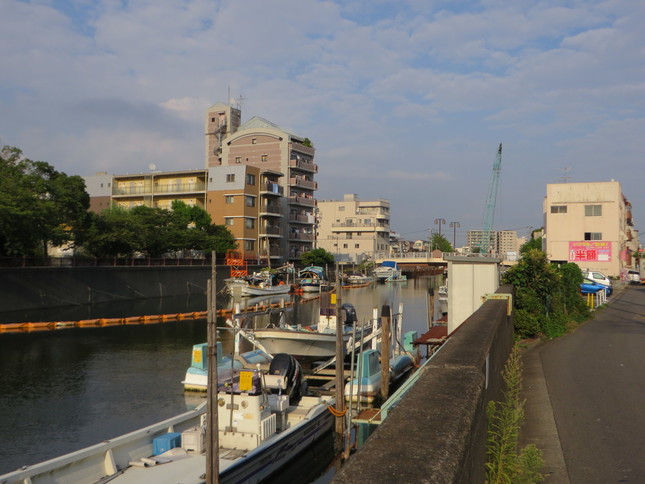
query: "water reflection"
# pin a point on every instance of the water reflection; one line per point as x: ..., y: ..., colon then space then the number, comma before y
x: 67, y: 389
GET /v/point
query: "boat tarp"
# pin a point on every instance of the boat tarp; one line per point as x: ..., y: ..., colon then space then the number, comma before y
x: 312, y: 271
x: 389, y: 263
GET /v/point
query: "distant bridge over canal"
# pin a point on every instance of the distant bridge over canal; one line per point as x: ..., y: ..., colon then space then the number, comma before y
x: 413, y: 261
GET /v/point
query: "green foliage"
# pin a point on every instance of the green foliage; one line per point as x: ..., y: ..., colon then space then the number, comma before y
x: 155, y: 232
x: 317, y: 257
x: 505, y: 418
x: 531, y: 244
x: 547, y: 297
x: 441, y: 243
x: 38, y: 205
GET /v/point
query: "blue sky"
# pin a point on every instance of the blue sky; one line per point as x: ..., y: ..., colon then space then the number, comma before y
x: 404, y: 100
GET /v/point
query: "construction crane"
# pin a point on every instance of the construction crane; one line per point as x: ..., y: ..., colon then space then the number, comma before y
x: 489, y: 214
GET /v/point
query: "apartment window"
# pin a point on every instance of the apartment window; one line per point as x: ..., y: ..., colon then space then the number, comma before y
x: 250, y: 201
x: 249, y: 245
x: 229, y: 199
x: 249, y: 223
x: 230, y: 177
x: 228, y: 222
x: 344, y: 246
x: 264, y: 157
x: 238, y: 159
x: 593, y: 211
x: 341, y: 209
x: 558, y: 209
x: 356, y: 246
x: 593, y: 235
x: 254, y: 140
x: 250, y: 179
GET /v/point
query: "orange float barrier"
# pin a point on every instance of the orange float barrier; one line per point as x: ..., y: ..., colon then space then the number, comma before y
x: 12, y: 327
x: 83, y: 323
x: 39, y: 326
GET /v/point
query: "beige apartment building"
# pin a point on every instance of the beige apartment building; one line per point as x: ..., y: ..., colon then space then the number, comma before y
x: 353, y: 229
x: 504, y: 243
x: 272, y: 215
x: 590, y: 224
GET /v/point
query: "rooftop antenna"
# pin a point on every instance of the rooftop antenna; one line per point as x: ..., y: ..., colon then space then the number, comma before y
x: 565, y: 174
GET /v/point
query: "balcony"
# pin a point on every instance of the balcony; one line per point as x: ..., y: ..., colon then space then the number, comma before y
x: 300, y: 236
x: 353, y: 225
x: 270, y: 231
x: 304, y: 166
x: 303, y: 183
x: 159, y: 189
x: 270, y: 210
x: 301, y: 219
x: 305, y: 201
x: 271, y: 189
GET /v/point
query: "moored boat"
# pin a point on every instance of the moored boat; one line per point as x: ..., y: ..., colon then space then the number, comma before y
x: 259, y: 417
x: 313, y: 279
x: 387, y: 269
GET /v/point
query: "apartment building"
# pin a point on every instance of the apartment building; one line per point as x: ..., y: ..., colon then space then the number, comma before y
x: 504, y: 243
x: 590, y: 224
x: 273, y: 216
x: 246, y: 200
x: 353, y: 229
x: 263, y: 144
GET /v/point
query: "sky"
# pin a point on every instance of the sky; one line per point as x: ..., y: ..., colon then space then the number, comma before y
x: 404, y: 100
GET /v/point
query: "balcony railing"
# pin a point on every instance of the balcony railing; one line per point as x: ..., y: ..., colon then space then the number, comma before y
x: 306, y: 201
x: 159, y: 189
x: 303, y: 183
x: 301, y: 236
x: 360, y: 225
x: 304, y: 165
x: 270, y: 231
x: 270, y: 209
x: 304, y: 219
x: 272, y: 188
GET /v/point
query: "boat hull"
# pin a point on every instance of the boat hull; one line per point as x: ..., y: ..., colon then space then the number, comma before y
x: 303, y: 344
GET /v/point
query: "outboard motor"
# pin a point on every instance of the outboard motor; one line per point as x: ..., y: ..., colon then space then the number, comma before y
x: 350, y: 313
x: 286, y: 366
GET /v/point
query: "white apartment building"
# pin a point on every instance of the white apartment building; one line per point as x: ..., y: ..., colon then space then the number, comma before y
x: 352, y: 229
x: 590, y: 224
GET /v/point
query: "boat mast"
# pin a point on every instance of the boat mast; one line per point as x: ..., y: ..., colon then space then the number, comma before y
x: 212, y: 431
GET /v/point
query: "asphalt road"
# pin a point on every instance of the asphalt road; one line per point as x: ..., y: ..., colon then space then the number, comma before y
x: 585, y: 397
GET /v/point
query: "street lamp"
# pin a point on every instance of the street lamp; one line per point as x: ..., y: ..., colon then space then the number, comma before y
x: 454, y: 226
x: 440, y: 222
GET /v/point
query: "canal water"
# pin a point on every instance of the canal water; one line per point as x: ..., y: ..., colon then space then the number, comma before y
x: 67, y: 389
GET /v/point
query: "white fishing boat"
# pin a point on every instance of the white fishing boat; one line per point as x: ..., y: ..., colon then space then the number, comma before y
x: 399, y: 278
x: 263, y: 424
x: 259, y: 284
x: 387, y: 269
x: 314, y: 342
x: 196, y: 378
x: 358, y: 280
x: 313, y: 279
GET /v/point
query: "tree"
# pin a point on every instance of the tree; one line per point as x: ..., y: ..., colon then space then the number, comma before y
x: 439, y: 242
x: 317, y: 257
x: 531, y: 244
x: 38, y: 205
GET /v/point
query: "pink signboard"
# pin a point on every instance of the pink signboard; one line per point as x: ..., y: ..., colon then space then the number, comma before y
x: 590, y: 251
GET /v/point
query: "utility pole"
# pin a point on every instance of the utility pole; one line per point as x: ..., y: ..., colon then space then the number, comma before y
x: 340, y: 377
x: 440, y: 222
x: 212, y: 430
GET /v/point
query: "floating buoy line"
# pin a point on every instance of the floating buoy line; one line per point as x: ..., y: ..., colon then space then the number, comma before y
x: 130, y: 320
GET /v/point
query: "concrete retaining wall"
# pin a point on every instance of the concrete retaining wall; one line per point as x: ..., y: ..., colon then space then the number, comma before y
x: 39, y: 288
x: 437, y: 433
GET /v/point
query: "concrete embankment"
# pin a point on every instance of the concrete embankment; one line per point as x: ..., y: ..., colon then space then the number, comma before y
x: 437, y: 433
x: 48, y: 287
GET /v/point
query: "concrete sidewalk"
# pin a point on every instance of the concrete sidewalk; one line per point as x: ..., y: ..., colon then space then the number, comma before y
x: 539, y: 424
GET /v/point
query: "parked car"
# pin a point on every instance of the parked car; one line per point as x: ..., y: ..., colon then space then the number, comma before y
x: 600, y: 278
x: 587, y: 286
x: 634, y: 277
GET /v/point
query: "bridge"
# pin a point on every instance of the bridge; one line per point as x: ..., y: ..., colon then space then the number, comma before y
x: 436, y: 258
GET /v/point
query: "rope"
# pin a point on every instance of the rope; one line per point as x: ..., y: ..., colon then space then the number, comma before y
x: 335, y: 412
